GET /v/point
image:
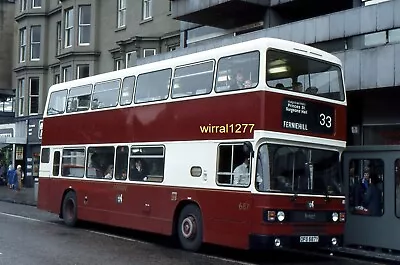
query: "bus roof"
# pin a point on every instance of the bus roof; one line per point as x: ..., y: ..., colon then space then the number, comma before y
x: 183, y: 57
x: 248, y: 38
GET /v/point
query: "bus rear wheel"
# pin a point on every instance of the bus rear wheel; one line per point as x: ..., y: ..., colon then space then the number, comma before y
x: 190, y: 228
x: 69, y: 209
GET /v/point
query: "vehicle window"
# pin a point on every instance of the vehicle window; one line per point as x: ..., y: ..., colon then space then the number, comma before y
x: 366, y: 178
x: 56, y: 163
x: 298, y: 73
x: 100, y: 162
x: 233, y: 167
x: 45, y: 156
x: 295, y: 169
x: 147, y: 163
x: 105, y: 95
x: 79, y: 98
x: 238, y: 72
x: 127, y: 90
x: 397, y: 185
x: 193, y: 80
x: 121, y: 163
x: 153, y: 86
x: 57, y: 102
x: 73, y: 163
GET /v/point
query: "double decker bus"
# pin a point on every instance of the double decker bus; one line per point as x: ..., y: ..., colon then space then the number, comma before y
x: 237, y: 146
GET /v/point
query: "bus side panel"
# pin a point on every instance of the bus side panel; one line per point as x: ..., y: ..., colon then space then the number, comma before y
x: 150, y: 208
x: 226, y: 217
x: 44, y: 199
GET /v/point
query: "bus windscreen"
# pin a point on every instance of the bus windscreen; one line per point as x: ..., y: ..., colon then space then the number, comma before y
x: 304, y: 75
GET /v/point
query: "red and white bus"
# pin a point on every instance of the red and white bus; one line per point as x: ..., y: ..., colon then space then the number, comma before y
x: 237, y: 146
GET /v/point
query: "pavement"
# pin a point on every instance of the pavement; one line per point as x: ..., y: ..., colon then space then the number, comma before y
x: 31, y: 237
x: 25, y: 196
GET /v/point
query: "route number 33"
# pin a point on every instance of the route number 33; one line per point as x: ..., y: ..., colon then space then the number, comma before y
x: 325, y: 120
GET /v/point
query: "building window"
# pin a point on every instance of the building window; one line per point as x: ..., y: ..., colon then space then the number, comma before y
x: 56, y: 78
x: 147, y: 9
x: 22, y: 6
x: 365, y: 178
x: 373, y: 2
x: 149, y: 52
x: 82, y: 71
x: 84, y: 25
x: 173, y: 48
x: 394, y: 35
x: 21, y: 92
x: 67, y: 74
x: 22, y: 45
x: 69, y: 27
x: 118, y: 64
x: 121, y: 13
x: 33, y: 96
x: 59, y: 38
x: 36, y: 3
x: 130, y: 59
x: 375, y: 39
x: 35, y: 43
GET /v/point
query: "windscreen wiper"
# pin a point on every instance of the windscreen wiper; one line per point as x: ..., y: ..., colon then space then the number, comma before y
x: 327, y: 199
x: 294, y: 197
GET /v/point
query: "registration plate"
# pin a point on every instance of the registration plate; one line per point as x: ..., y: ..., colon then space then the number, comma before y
x: 309, y: 239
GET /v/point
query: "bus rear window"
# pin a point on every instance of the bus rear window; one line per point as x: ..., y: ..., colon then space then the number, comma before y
x: 305, y: 75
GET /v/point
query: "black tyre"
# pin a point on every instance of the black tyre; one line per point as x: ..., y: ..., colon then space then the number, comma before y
x: 70, y: 209
x: 190, y: 228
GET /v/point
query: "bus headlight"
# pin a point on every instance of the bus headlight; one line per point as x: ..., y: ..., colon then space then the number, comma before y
x: 335, y: 217
x: 280, y: 216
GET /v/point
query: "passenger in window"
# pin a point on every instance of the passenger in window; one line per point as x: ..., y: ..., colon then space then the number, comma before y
x: 241, y: 174
x: 312, y: 90
x: 361, y: 188
x: 280, y: 86
x: 298, y: 87
x: 137, y: 171
x: 372, y: 198
x: 239, y: 82
x: 109, y: 172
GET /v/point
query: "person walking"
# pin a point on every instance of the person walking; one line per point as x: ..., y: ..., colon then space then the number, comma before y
x: 19, y: 177
x: 10, y: 177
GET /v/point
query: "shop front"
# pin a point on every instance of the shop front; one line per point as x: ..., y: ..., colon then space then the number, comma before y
x: 12, y: 144
x: 34, y: 141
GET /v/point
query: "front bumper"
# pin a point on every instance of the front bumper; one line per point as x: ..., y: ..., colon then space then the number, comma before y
x: 262, y: 242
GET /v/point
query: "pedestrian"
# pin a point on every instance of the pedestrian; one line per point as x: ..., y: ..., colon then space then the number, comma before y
x: 19, y: 177
x: 10, y: 177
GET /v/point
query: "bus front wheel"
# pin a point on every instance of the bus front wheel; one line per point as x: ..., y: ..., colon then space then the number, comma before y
x: 70, y: 209
x: 190, y: 228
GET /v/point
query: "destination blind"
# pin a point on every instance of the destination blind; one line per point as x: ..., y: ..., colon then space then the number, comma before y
x: 307, y: 116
